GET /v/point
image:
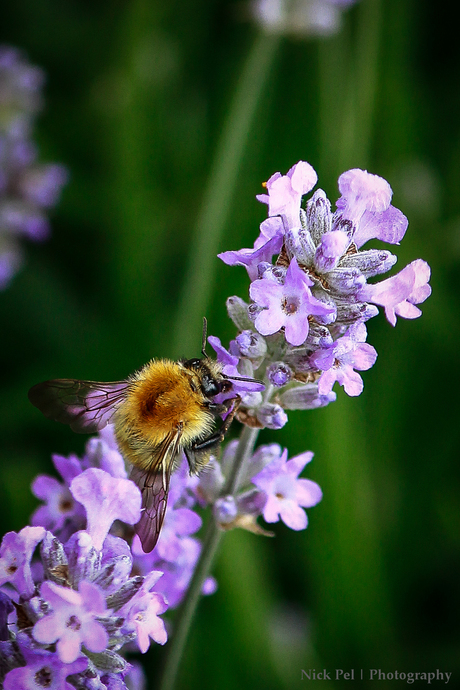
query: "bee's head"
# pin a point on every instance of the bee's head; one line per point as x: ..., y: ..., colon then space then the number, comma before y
x: 210, y: 375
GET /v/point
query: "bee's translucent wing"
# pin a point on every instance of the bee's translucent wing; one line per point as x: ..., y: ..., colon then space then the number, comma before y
x: 87, y: 406
x: 154, y: 486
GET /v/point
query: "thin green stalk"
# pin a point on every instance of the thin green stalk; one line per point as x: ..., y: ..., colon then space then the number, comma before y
x: 211, y: 221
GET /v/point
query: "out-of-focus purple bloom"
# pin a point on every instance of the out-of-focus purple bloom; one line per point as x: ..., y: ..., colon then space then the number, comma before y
x: 178, y: 523
x: 287, y: 305
x: 400, y: 293
x: 339, y: 360
x: 15, y: 554
x: 27, y: 188
x: 225, y: 510
x: 285, y: 193
x: 59, y: 504
x: 301, y: 18
x: 73, y: 620
x: 286, y: 493
x: 43, y: 669
x: 106, y: 499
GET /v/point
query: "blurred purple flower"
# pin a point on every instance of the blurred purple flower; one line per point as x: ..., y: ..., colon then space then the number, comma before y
x: 26, y: 187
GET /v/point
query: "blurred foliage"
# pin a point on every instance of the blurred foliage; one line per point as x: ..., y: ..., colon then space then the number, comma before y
x: 136, y: 98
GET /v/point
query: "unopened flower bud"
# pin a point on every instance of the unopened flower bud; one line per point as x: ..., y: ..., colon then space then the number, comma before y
x: 279, y: 374
x: 225, y: 510
x: 272, y: 416
x: 251, y: 344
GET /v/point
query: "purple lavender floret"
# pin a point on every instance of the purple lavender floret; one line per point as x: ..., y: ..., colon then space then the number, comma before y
x: 27, y: 188
x: 286, y: 494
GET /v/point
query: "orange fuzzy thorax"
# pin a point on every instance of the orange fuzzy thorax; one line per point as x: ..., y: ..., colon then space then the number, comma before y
x: 162, y: 396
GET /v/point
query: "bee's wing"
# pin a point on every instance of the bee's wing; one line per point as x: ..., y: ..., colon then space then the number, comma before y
x: 86, y: 406
x: 154, y: 486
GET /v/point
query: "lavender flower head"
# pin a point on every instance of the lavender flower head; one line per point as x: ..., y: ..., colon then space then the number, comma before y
x: 310, y: 306
x: 27, y: 188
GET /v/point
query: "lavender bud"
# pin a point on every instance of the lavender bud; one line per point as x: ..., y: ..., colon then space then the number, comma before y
x: 108, y: 661
x: 346, y: 281
x: 262, y: 267
x: 253, y: 311
x: 279, y: 374
x: 272, y: 416
x: 225, y: 510
x: 298, y: 243
x: 84, y: 560
x: 113, y: 574
x: 331, y: 248
x: 318, y: 335
x: 277, y: 273
x: 211, y: 481
x: 118, y: 599
x: 54, y: 559
x: 237, y: 310
x: 261, y: 458
x: 251, y: 400
x: 371, y: 262
x: 251, y: 344
x: 251, y: 502
x: 319, y: 217
x: 349, y: 313
x: 305, y: 397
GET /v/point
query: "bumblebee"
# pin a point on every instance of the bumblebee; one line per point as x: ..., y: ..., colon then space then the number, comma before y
x: 164, y: 408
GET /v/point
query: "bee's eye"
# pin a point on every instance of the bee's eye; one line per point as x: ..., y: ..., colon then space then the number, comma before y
x: 210, y: 386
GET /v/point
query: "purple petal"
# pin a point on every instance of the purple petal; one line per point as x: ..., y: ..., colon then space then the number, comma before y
x: 295, y: 465
x: 95, y: 637
x: 308, y: 493
x: 293, y: 515
x: 389, y: 226
x: 106, y: 499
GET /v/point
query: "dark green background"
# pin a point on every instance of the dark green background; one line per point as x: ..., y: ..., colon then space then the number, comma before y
x: 136, y: 99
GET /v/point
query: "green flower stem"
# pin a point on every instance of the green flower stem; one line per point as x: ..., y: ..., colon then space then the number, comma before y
x: 218, y: 195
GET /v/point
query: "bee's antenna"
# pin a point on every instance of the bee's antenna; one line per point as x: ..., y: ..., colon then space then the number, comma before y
x: 203, y: 341
x: 243, y: 378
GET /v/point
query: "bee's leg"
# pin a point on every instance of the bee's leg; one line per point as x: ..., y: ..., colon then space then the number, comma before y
x: 199, y: 452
